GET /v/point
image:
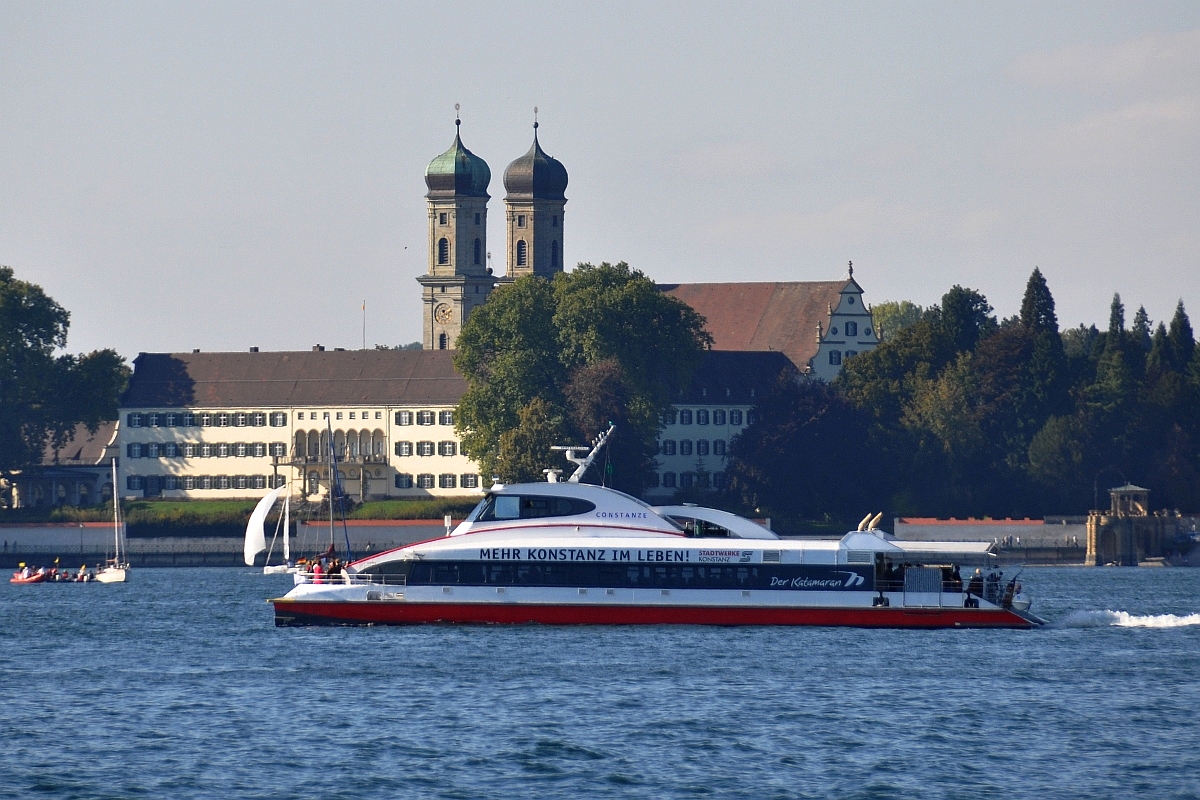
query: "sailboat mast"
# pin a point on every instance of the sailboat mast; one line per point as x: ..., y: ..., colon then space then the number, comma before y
x: 287, y: 553
x: 116, y: 514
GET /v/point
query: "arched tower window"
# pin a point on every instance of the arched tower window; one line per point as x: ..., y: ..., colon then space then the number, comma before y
x: 522, y: 253
x: 478, y: 250
x: 554, y: 254
x: 443, y: 254
x: 443, y: 341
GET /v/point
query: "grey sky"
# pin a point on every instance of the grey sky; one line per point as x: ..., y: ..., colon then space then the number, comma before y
x: 230, y: 175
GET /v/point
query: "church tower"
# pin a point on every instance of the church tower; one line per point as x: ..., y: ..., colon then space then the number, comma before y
x: 534, y: 202
x: 458, y: 279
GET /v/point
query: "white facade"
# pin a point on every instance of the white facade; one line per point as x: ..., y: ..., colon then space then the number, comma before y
x: 850, y: 331
x: 693, y: 446
x: 382, y: 452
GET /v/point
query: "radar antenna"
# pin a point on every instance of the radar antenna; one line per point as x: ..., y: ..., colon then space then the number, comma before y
x: 582, y: 464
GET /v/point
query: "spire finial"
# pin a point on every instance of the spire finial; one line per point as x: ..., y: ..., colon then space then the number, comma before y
x: 851, y: 269
x: 457, y: 119
x: 535, y: 120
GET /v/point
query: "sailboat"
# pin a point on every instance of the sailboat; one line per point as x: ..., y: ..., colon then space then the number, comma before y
x: 116, y: 570
x: 256, y: 540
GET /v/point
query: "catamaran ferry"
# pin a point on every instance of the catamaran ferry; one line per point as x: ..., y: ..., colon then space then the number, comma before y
x: 571, y: 553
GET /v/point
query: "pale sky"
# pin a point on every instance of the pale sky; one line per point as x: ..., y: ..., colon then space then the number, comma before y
x: 227, y: 175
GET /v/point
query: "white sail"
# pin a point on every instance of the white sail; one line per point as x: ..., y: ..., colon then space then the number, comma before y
x: 256, y: 540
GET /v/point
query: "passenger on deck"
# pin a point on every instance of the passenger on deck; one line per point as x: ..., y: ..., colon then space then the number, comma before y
x: 318, y: 571
x: 975, y: 587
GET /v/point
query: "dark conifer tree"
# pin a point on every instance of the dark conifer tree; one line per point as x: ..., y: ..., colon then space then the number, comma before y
x: 1180, y: 340
x: 1037, y: 307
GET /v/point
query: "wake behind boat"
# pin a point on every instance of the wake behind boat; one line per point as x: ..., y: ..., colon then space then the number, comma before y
x: 572, y: 553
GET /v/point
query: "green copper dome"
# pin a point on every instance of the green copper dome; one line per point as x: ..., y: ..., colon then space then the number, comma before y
x: 457, y: 173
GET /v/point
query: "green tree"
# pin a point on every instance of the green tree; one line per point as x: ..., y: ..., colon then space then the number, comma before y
x: 1037, y: 307
x: 525, y: 450
x: 598, y: 343
x: 44, y: 396
x: 966, y: 317
x: 891, y: 317
x: 1180, y: 339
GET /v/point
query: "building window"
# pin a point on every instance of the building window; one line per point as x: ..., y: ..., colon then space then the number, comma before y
x: 133, y: 482
x: 669, y: 417
x: 239, y: 420
x: 278, y: 419
x: 206, y: 451
x: 702, y: 447
x: 522, y: 253
x: 478, y: 250
x: 702, y: 416
x: 718, y: 417
x: 258, y: 449
x: 520, y: 220
x: 403, y: 480
x: 445, y: 418
x: 260, y: 482
x: 276, y: 481
x: 443, y: 342
x: 668, y: 480
x: 152, y: 420
x: 470, y: 481
x: 447, y: 481
x: 718, y: 447
x: 850, y: 300
x: 554, y: 253
x: 223, y: 450
x: 852, y: 329
x: 835, y: 357
x: 685, y: 447
x: 278, y: 449
x: 404, y: 418
x: 685, y: 417
x: 189, y: 451
x: 151, y: 450
x: 170, y: 420
x: 687, y: 480
x: 668, y: 447
x: 188, y: 482
x: 221, y: 482
x: 447, y: 448
x: 258, y: 419
x: 425, y: 481
x: 239, y: 449
x: 442, y: 218
x: 222, y: 420
x: 239, y: 481
x: 404, y: 448
x: 851, y: 353
x: 134, y: 420
x: 204, y: 420
x: 554, y: 221
x: 751, y: 417
x: 170, y: 450
x: 443, y: 251
x: 476, y: 217
x: 189, y: 420
x: 134, y: 451
x: 424, y: 448
x: 425, y: 417
x: 833, y: 331
x: 735, y: 417
x: 339, y: 414
x: 718, y: 480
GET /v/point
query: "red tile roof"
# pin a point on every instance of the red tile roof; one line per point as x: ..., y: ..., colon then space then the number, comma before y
x: 289, y: 379
x: 763, y: 316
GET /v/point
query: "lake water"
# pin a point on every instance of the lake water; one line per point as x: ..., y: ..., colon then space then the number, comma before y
x: 178, y: 685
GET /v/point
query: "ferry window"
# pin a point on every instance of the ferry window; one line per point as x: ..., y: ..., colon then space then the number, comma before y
x: 735, y: 417
x: 505, y: 506
x: 718, y: 417
x: 685, y: 417
x: 702, y: 416
x: 685, y: 447
x: 668, y: 447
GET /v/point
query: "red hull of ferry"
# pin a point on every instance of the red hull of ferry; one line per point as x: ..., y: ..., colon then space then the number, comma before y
x: 293, y: 612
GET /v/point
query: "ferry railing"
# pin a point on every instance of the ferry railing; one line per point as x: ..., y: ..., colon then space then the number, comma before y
x: 351, y: 579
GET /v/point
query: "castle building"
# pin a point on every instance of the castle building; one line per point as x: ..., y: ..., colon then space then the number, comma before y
x: 234, y: 424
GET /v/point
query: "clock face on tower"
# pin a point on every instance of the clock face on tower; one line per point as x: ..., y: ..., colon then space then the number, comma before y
x: 443, y: 313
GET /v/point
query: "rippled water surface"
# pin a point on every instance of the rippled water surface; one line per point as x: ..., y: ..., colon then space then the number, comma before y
x: 178, y: 685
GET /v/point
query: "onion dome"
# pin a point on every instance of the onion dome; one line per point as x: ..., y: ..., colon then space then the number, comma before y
x: 457, y: 172
x: 536, y: 176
